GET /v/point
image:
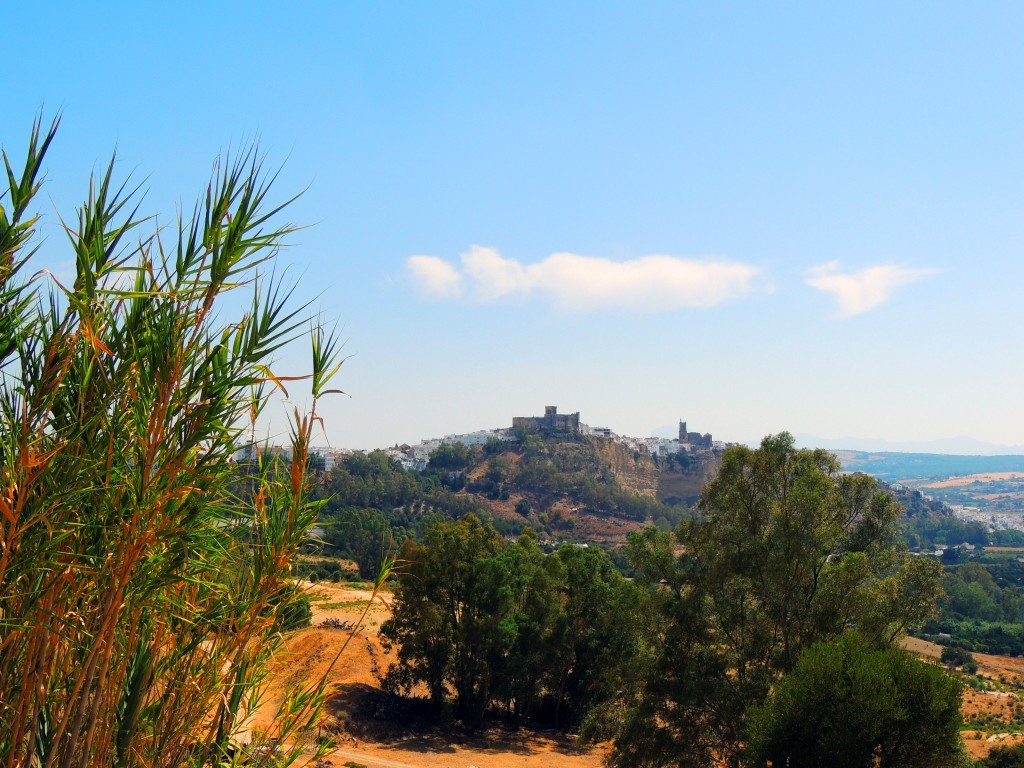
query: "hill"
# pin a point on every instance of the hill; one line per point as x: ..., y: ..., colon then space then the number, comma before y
x: 567, y: 486
x: 585, y: 488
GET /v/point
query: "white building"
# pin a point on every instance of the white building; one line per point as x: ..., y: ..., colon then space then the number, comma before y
x: 480, y: 437
x: 328, y: 455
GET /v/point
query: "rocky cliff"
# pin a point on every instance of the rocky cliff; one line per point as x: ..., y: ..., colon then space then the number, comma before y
x: 673, y: 481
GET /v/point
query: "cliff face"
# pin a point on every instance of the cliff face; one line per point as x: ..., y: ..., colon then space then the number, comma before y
x: 633, y: 471
x: 686, y: 485
x: 665, y: 481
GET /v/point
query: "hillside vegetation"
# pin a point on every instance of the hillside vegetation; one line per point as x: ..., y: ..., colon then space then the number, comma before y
x: 565, y: 487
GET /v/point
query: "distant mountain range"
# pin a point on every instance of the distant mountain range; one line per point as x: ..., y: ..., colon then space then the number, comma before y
x: 901, y: 466
x: 961, y: 446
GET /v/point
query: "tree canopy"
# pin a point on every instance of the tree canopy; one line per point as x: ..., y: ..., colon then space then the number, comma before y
x: 786, y: 552
x: 850, y: 705
x: 483, y: 623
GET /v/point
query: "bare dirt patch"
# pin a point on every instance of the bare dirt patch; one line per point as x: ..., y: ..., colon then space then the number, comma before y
x: 407, y: 740
x: 996, y: 708
x: 310, y: 654
x: 599, y: 528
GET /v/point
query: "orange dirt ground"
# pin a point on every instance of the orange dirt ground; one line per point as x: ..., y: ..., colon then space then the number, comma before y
x: 309, y: 653
x: 1006, y: 676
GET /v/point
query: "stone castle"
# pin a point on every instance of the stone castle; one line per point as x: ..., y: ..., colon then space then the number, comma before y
x: 554, y: 422
x: 551, y: 421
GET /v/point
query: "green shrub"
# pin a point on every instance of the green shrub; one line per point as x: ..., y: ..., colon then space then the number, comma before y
x: 848, y: 704
x: 958, y: 657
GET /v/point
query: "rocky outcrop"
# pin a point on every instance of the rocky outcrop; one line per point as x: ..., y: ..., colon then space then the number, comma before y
x: 687, y: 483
x: 634, y: 470
x: 671, y: 482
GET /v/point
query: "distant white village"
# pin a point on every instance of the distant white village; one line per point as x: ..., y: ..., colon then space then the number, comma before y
x: 992, y: 520
x: 416, y: 456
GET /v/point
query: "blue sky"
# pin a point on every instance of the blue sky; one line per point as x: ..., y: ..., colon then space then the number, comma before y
x: 751, y: 216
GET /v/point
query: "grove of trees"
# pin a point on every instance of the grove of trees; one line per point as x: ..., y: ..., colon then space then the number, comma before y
x: 983, y: 604
x: 483, y: 623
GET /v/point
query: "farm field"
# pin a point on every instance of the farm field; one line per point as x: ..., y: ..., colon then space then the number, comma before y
x: 996, y: 714
x: 981, y: 477
x: 1001, y: 492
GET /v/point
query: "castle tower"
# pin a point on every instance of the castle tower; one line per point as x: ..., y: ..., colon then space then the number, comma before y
x: 682, y: 431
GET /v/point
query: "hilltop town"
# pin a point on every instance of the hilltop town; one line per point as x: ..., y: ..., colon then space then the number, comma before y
x: 552, y: 423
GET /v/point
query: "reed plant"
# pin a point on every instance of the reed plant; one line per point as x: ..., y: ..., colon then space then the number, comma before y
x: 142, y: 585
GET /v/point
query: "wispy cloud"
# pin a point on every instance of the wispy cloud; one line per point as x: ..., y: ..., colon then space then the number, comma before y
x: 434, y: 277
x: 586, y: 283
x: 857, y: 292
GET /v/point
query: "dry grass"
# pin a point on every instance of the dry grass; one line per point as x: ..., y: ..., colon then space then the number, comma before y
x: 981, y: 477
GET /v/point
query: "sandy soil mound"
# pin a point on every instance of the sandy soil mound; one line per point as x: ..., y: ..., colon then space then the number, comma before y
x: 343, y: 652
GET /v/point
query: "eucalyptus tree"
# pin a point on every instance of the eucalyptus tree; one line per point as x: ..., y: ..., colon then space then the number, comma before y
x: 449, y: 605
x: 596, y: 640
x: 786, y: 551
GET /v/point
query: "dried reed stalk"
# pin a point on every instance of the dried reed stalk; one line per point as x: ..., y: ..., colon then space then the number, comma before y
x: 142, y: 583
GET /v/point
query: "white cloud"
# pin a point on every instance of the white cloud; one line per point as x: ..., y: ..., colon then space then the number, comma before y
x: 494, y: 275
x: 434, y: 277
x: 858, y: 292
x: 649, y: 283
x: 584, y: 283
